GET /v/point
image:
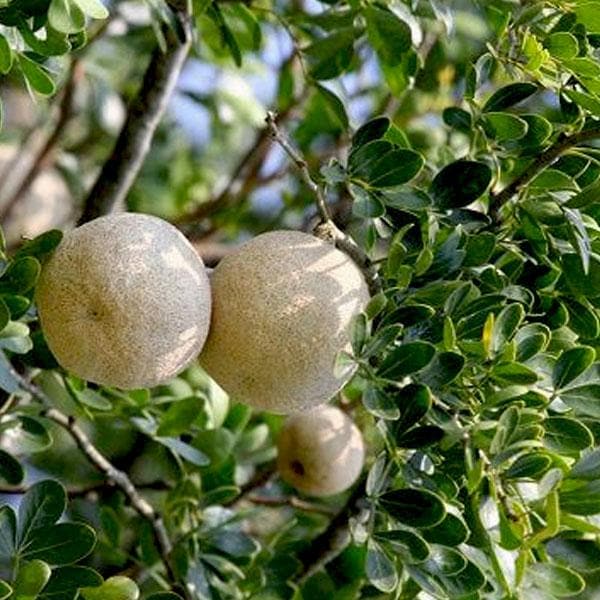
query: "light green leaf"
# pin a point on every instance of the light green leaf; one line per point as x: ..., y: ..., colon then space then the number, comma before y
x: 6, y: 56
x: 114, y: 588
x: 93, y: 8
x: 31, y: 579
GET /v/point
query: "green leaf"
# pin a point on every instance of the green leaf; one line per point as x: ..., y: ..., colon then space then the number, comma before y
x: 114, y: 588
x: 539, y: 130
x: 457, y: 118
x: 529, y: 466
x: 514, y: 373
x: 4, y: 314
x: 234, y: 543
x: 416, y: 508
x: 585, y: 198
x: 6, y: 56
x: 380, y: 570
x: 93, y: 8
x: 559, y: 582
x: 506, y: 325
x: 460, y: 183
x: 66, y: 16
x: 408, y: 543
x: 60, y: 544
x: 415, y: 401
x: 452, y: 531
x: 11, y: 470
x: 8, y: 532
x: 331, y: 56
x: 31, y: 579
x: 5, y: 590
x: 366, y: 204
x: 406, y: 359
x: 583, y: 500
x: 581, y: 283
x: 389, y: 35
x: 380, y: 404
x: 587, y: 101
x: 420, y: 437
x: 509, y: 96
x: 66, y: 581
x: 40, y: 247
x: 581, y: 555
x: 587, y: 13
x: 443, y: 369
x: 21, y: 276
x: 571, y: 364
x: 587, y: 467
x: 503, y: 126
x: 29, y: 435
x: 562, y: 45
x: 41, y: 506
x: 180, y: 415
x: 566, y: 436
x: 334, y: 105
x: 583, y: 399
x: 370, y: 131
x: 164, y: 596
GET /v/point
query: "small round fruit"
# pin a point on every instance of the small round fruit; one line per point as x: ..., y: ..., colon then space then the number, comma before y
x: 282, y: 308
x: 124, y: 301
x: 320, y: 452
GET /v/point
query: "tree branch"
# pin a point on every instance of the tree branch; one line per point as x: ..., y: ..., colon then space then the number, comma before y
x: 327, y: 545
x: 120, y: 478
x: 327, y: 229
x: 44, y: 154
x: 546, y: 158
x: 143, y: 117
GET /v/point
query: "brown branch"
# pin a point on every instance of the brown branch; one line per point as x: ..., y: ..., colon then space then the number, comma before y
x: 327, y: 229
x: 45, y: 153
x: 84, y: 490
x: 143, y: 117
x: 292, y: 501
x: 102, y: 464
x: 327, y: 545
x: 546, y: 158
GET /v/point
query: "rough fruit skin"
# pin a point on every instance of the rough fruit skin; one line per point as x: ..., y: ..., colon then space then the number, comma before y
x: 320, y: 452
x: 124, y: 301
x: 282, y: 308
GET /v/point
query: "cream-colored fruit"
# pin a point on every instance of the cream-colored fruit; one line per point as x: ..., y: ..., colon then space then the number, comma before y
x: 282, y: 308
x: 320, y: 452
x: 124, y: 301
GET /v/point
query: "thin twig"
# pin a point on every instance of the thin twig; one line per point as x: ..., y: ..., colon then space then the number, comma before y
x: 43, y: 156
x: 143, y: 117
x: 562, y: 144
x: 327, y: 545
x: 84, y: 490
x: 118, y: 477
x: 292, y: 501
x: 327, y: 229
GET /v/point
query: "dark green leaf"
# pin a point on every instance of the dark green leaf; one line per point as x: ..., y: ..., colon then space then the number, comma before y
x: 164, y: 596
x: 389, y: 36
x: 406, y: 359
x: 420, y: 437
x: 581, y: 555
x: 452, y: 531
x: 457, y: 118
x: 60, y: 544
x: 443, y: 369
x: 335, y: 106
x: 11, y: 470
x: 408, y: 543
x: 584, y: 500
x: 180, y: 415
x: 415, y: 401
x: 506, y: 325
x: 571, y: 364
x: 380, y: 404
x: 20, y: 276
x: 529, y: 466
x: 66, y: 581
x: 460, y: 183
x: 6, y: 56
x: 42, y: 246
x: 330, y: 56
x: 509, y: 96
x: 41, y: 506
x: 582, y: 283
x: 366, y: 204
x: 417, y: 508
x: 566, y: 436
x: 370, y: 131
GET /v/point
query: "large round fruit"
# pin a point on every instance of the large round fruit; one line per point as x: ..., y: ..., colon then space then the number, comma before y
x: 282, y: 308
x: 124, y: 301
x: 321, y: 452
